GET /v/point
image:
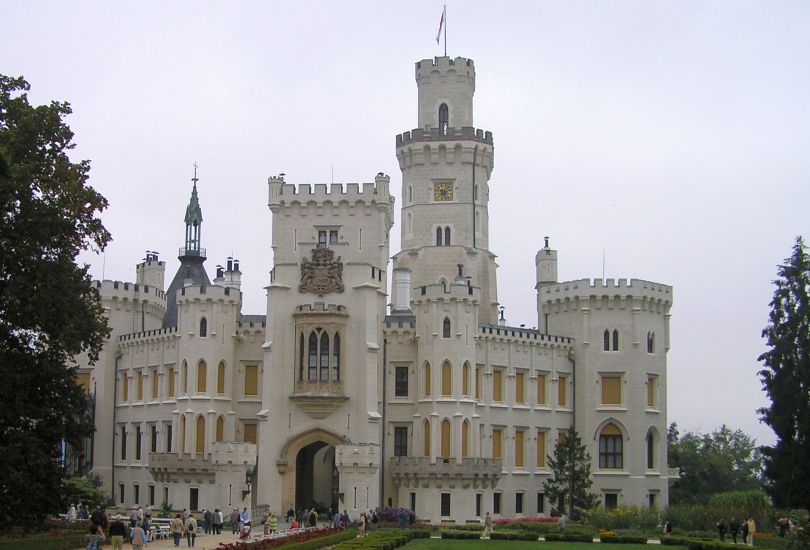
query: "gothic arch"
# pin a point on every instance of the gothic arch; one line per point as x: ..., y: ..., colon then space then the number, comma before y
x: 615, y: 422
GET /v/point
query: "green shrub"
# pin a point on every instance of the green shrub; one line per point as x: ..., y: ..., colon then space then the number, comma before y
x: 459, y: 534
x: 43, y: 542
x: 421, y: 533
x: 322, y: 542
x: 623, y: 517
x: 674, y: 541
x: 513, y: 535
x: 568, y: 537
x: 622, y: 539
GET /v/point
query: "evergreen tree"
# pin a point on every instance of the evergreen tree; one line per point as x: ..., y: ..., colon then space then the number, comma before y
x: 48, y: 311
x: 786, y: 380
x: 571, y: 465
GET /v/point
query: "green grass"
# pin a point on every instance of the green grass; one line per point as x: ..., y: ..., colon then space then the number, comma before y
x: 446, y: 544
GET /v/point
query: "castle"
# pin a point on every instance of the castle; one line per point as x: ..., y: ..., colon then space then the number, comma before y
x: 341, y: 397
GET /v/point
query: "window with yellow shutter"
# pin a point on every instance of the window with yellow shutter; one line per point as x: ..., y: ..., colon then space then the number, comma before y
x: 519, y: 442
x: 611, y: 390
x: 447, y: 379
x: 519, y: 397
x: 465, y: 380
x: 251, y: 380
x: 220, y: 429
x: 497, y: 440
x: 652, y: 383
x: 124, y: 387
x: 221, y: 377
x: 541, y: 389
x: 478, y: 382
x: 171, y: 383
x: 465, y: 439
x: 83, y: 380
x: 426, y: 438
x: 139, y: 386
x: 202, y: 377
x: 445, y: 439
x: 154, y: 377
x: 541, y: 449
x: 250, y: 433
x: 497, y: 385
x: 427, y: 376
x: 562, y: 391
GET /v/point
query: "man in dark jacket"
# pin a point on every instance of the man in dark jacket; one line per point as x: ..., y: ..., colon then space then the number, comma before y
x: 118, y: 532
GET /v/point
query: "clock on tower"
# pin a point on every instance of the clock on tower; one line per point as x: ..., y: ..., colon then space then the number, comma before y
x: 443, y: 191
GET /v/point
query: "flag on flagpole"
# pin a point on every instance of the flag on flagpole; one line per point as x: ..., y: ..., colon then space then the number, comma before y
x: 441, y: 24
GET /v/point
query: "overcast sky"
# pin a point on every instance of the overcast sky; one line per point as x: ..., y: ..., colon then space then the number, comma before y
x: 671, y: 136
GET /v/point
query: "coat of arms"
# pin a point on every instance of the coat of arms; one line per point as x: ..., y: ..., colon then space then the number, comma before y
x: 323, y: 274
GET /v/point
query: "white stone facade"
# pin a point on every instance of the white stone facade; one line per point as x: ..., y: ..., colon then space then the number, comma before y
x: 342, y: 397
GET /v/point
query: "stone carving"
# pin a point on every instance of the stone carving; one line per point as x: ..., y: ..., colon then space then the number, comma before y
x: 323, y: 274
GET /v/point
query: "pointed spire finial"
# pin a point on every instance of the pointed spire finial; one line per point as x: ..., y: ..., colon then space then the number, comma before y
x: 195, y: 179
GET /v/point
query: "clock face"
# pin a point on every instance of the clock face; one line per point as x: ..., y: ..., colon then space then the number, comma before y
x: 443, y: 191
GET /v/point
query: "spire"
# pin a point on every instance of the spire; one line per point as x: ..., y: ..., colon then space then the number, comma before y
x: 193, y: 222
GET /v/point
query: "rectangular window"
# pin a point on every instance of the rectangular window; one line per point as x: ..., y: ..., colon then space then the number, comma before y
x: 249, y: 433
x: 138, y: 443
x: 401, y: 381
x: 153, y: 438
x: 610, y: 451
x: 151, y: 495
x: 170, y: 391
x: 541, y: 449
x: 478, y: 383
x: 139, y: 387
x: 518, y: 503
x: 124, y: 387
x: 121, y: 495
x: 611, y: 390
x: 169, y: 437
x: 562, y: 391
x: 651, y: 501
x: 333, y: 237
x: 413, y: 502
x: 611, y: 500
x: 193, y: 499
x: 445, y: 504
x: 519, y: 440
x: 166, y: 495
x: 123, y: 443
x: 401, y: 441
x: 251, y: 380
x: 154, y: 377
x: 321, y: 238
x: 497, y: 385
x: 519, y: 397
x: 478, y: 498
x: 83, y: 380
x: 497, y: 439
x: 541, y: 499
x: 137, y: 493
x: 541, y: 389
x: 652, y: 383
x: 496, y: 503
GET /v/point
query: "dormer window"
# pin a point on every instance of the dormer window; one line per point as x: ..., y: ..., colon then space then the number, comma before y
x: 444, y: 119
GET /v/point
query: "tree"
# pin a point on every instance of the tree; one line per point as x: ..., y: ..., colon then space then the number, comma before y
x: 724, y: 460
x: 86, y: 490
x: 571, y: 465
x: 786, y: 380
x: 48, y: 311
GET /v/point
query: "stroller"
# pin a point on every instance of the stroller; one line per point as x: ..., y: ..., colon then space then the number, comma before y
x: 244, y: 533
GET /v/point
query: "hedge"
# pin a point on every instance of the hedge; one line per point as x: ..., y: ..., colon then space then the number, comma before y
x: 698, y: 544
x: 378, y: 540
x: 622, y: 539
x: 513, y: 535
x: 43, y: 542
x: 459, y: 534
x: 311, y: 541
x: 567, y: 537
x: 421, y: 533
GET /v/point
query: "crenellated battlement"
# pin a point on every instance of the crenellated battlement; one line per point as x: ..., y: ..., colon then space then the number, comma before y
x: 212, y: 292
x: 147, y: 335
x: 586, y: 288
x: 426, y: 67
x: 522, y: 334
x: 368, y: 193
x: 321, y: 308
x: 120, y: 290
x: 446, y: 291
x: 421, y: 135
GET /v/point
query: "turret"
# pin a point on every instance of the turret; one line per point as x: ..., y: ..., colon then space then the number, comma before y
x: 151, y: 271
x: 545, y: 262
x: 446, y: 87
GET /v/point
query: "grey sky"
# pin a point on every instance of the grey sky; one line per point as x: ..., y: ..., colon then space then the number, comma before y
x: 672, y: 135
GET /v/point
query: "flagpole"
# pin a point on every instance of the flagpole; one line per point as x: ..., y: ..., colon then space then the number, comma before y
x: 445, y: 30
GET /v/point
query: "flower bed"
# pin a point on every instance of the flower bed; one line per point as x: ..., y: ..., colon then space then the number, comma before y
x: 299, y: 540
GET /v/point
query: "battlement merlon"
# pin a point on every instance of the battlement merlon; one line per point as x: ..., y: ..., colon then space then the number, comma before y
x: 120, y: 290
x: 587, y: 288
x: 443, y: 65
x: 209, y: 293
x: 466, y: 133
x: 378, y: 192
x: 450, y: 291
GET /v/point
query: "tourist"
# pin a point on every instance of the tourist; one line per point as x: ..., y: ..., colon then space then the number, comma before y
x: 234, y: 519
x: 487, y: 526
x: 313, y: 518
x: 219, y: 519
x: 176, y: 526
x: 191, y: 530
x: 361, y: 525
x: 272, y: 523
x: 208, y: 519
x: 752, y: 528
x: 734, y: 529
x: 117, y: 532
x: 744, y: 531
x: 95, y: 538
x: 138, y: 538
x: 375, y: 520
x: 721, y: 530
x: 71, y: 514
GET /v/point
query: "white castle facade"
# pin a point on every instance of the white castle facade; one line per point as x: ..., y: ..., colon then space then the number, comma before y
x: 349, y: 397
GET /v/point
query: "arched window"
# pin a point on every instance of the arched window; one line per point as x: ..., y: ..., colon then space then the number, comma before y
x: 475, y: 192
x: 301, y: 356
x: 438, y: 236
x: 465, y: 379
x: 446, y: 236
x: 203, y: 328
x: 427, y: 380
x: 410, y: 193
x: 324, y: 363
x: 199, y: 446
x: 184, y: 377
x: 446, y: 328
x: 202, y: 377
x: 650, y: 342
x: 465, y: 439
x: 447, y: 379
x: 220, y: 429
x: 426, y: 438
x: 182, y: 434
x: 336, y: 358
x: 312, y: 369
x: 221, y: 377
x: 650, y: 450
x: 610, y: 448
x: 615, y: 340
x: 607, y: 340
x: 445, y: 438
x: 444, y: 119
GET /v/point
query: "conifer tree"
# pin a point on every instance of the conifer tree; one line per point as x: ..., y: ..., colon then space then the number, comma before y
x: 571, y: 465
x: 786, y: 380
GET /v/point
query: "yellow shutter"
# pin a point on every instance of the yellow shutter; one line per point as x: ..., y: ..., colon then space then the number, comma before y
x: 184, y: 379
x: 497, y: 437
x: 427, y: 380
x: 445, y: 439
x: 250, y: 433
x: 171, y: 383
x: 251, y: 380
x: 465, y: 438
x: 140, y: 386
x: 202, y: 377
x: 154, y: 383
x: 541, y: 449
x: 200, y: 435
x: 519, y: 388
x: 221, y: 378
x: 611, y: 390
x: 478, y: 383
x: 651, y: 383
x: 541, y: 389
x: 519, y: 449
x: 182, y: 434
x: 220, y: 429
x: 465, y: 382
x: 426, y: 438
x: 83, y: 380
x: 124, y: 387
x: 562, y: 391
x: 497, y: 385
x: 611, y: 429
x: 447, y: 379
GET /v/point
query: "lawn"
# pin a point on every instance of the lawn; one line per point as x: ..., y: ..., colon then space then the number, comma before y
x: 449, y: 544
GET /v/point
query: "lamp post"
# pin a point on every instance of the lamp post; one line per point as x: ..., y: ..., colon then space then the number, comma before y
x: 248, y: 481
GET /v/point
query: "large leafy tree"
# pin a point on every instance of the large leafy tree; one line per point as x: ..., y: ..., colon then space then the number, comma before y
x: 48, y: 311
x: 571, y: 465
x: 786, y: 379
x: 721, y: 461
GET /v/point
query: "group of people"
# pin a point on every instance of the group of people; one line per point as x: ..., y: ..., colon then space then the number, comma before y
x: 77, y: 512
x: 137, y: 531
x: 745, y: 528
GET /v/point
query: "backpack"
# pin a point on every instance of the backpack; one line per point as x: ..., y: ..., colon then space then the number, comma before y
x: 91, y: 545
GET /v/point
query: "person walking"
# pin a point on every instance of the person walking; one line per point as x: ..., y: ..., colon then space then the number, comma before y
x: 721, y: 530
x: 272, y: 523
x: 219, y: 519
x: 752, y: 528
x: 361, y: 525
x: 95, y: 538
x: 744, y: 531
x: 208, y: 519
x: 734, y: 529
x: 487, y: 526
x: 234, y: 518
x: 138, y: 538
x: 117, y: 533
x: 313, y: 518
x: 191, y: 531
x: 176, y: 526
x: 71, y: 514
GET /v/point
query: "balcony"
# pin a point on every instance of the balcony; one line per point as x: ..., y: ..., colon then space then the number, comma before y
x: 408, y: 471
x: 170, y: 467
x: 192, y: 252
x: 318, y: 399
